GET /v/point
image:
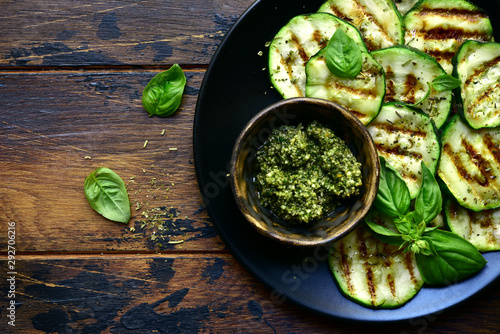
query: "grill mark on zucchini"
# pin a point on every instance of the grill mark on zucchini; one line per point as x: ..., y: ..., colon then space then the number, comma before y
x: 368, y: 271
x: 390, y: 91
x: 392, y: 287
x: 390, y: 278
x: 320, y: 39
x: 486, y: 223
x: 482, y: 164
x: 441, y: 33
x: 338, y: 14
x: 482, y: 98
x: 356, y: 113
x: 398, y: 151
x: 286, y: 62
x: 471, y: 223
x: 411, y: 87
x: 456, y: 162
x: 480, y: 71
x: 470, y: 15
x: 462, y: 170
x: 492, y: 147
x: 388, y: 127
x: 440, y: 55
x: 300, y: 49
x: 409, y: 266
x: 361, y: 92
x: 346, y: 269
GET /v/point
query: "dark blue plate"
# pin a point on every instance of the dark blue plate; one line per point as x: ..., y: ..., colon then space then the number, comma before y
x: 235, y: 88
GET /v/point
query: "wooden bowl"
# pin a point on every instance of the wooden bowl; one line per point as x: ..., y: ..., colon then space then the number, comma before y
x: 244, y: 168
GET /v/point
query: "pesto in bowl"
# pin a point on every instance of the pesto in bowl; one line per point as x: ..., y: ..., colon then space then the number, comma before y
x: 304, y: 173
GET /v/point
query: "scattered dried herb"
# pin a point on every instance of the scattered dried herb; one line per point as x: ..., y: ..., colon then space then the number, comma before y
x: 153, y: 222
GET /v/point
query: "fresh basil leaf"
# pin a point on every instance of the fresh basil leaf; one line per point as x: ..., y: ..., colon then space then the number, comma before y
x: 428, y: 203
x: 381, y: 229
x: 453, y: 259
x: 384, y: 234
x: 445, y: 82
x: 163, y: 94
x: 107, y: 194
x: 343, y: 56
x: 431, y: 228
x: 393, y: 196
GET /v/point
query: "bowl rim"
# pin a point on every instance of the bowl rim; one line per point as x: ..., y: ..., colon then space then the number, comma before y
x: 371, y: 192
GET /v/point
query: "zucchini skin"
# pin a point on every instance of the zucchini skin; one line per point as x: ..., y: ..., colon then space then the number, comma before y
x: 372, y: 273
x: 439, y: 27
x: 296, y: 42
x: 408, y: 72
x: 405, y: 136
x: 477, y: 66
x: 482, y: 229
x: 469, y: 166
x: 379, y: 21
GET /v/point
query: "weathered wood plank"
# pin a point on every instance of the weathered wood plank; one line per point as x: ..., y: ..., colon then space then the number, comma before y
x: 188, y: 294
x: 56, y: 128
x: 90, y: 33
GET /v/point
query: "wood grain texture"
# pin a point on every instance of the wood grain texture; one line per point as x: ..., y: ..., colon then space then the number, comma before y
x: 113, y: 33
x: 71, y: 79
x: 188, y: 294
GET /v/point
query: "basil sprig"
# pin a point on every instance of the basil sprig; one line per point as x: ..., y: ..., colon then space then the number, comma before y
x: 163, y: 94
x: 440, y: 83
x: 343, y: 56
x: 107, y: 194
x: 442, y: 256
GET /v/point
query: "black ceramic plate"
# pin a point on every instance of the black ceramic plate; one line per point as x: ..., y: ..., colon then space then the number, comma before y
x: 234, y: 89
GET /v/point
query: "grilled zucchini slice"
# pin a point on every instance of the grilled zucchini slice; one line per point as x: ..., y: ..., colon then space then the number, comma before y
x: 439, y: 27
x: 477, y: 66
x: 373, y: 273
x: 362, y: 95
x: 379, y: 21
x: 470, y: 164
x: 482, y: 229
x: 407, y: 74
x: 302, y: 37
x: 405, y: 136
x: 404, y: 5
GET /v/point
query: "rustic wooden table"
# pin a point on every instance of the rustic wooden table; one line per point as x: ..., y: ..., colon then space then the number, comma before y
x: 71, y: 78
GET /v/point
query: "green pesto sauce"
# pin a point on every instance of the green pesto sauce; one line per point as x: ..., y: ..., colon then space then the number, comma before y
x: 303, y: 174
